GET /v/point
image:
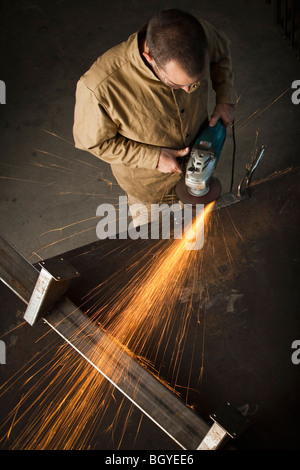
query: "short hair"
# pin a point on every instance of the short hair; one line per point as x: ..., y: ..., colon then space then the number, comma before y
x: 177, y: 35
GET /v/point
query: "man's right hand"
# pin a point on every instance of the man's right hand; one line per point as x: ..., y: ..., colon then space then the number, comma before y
x: 168, y: 163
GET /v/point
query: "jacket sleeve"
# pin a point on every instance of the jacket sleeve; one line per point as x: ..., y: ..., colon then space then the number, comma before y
x: 220, y: 65
x: 96, y: 133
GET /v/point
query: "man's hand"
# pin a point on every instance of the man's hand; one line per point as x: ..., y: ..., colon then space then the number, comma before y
x: 168, y: 163
x: 225, y: 112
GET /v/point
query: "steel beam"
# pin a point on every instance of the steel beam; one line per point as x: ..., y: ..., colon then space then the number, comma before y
x: 146, y: 392
x: 16, y: 272
x: 40, y: 291
x: 153, y: 398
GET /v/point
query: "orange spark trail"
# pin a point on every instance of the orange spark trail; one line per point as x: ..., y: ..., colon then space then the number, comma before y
x: 145, y: 313
x: 66, y: 413
x: 258, y: 113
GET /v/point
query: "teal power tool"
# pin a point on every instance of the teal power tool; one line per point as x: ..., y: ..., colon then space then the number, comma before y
x: 199, y: 185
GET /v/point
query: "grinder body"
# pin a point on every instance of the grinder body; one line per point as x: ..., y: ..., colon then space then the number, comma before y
x: 199, y: 184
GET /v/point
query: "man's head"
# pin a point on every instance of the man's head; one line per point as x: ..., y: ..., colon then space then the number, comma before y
x: 176, y: 48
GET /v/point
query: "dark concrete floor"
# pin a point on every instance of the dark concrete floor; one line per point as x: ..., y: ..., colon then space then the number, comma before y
x: 251, y: 317
x: 46, y: 47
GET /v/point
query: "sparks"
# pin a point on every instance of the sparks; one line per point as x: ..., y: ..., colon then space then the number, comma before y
x: 64, y: 415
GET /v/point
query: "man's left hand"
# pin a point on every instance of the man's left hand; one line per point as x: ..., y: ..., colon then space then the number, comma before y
x: 222, y: 111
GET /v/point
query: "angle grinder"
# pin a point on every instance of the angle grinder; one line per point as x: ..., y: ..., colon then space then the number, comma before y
x: 199, y: 186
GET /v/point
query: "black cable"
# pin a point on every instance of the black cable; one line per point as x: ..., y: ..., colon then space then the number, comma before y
x: 233, y: 157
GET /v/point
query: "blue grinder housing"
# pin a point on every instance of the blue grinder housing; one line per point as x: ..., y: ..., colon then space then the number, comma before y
x: 213, y: 135
x: 199, y: 186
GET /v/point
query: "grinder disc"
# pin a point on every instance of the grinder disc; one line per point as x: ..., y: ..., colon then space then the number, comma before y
x: 187, y: 198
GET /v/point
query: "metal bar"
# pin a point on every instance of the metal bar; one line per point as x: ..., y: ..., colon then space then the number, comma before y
x: 293, y: 24
x: 286, y: 16
x: 52, y: 283
x: 214, y: 439
x: 228, y: 199
x: 298, y: 33
x: 247, y: 178
x: 111, y: 360
x: 153, y: 398
x: 285, y: 19
x: 16, y: 272
x: 276, y: 12
x: 279, y: 12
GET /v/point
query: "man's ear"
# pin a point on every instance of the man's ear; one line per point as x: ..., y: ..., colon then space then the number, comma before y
x: 147, y: 55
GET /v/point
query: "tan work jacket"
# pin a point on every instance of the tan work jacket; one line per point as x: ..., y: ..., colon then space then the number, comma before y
x: 124, y: 114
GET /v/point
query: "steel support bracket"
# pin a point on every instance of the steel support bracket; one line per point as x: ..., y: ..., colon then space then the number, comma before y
x: 228, y: 422
x: 53, y: 281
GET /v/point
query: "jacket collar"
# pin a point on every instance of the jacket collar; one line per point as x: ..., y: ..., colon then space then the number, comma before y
x: 135, y: 54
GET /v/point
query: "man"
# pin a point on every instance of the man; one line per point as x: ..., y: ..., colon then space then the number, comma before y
x: 142, y: 103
